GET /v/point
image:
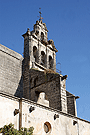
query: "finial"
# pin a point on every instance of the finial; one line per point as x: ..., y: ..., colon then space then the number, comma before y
x: 40, y: 14
x: 28, y: 29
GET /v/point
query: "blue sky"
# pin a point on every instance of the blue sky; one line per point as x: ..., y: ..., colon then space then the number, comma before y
x: 68, y: 23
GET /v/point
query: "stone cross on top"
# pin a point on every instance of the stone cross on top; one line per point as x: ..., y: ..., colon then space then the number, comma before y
x: 40, y: 14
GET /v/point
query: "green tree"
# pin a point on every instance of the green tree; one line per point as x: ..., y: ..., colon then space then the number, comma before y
x: 10, y: 130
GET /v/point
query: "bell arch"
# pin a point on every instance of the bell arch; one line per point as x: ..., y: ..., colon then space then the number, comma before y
x: 43, y: 58
x: 50, y: 62
x: 35, y: 53
x: 42, y: 36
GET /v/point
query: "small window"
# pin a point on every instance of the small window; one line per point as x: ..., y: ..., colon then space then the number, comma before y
x: 47, y: 127
x: 35, y: 81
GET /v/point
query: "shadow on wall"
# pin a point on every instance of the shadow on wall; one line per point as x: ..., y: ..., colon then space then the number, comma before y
x: 19, y: 91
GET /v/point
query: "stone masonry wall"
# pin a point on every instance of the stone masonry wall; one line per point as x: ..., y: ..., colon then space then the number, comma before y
x: 70, y: 103
x: 10, y: 71
x: 49, y: 83
x: 55, y: 89
x: 8, y: 104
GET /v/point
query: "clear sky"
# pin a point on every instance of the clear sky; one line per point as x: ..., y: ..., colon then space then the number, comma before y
x: 68, y: 23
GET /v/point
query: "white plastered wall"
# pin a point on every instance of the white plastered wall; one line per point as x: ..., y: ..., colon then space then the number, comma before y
x: 59, y: 126
x: 7, y: 107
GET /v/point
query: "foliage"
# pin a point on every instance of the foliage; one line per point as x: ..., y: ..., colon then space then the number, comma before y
x: 47, y: 71
x: 10, y: 130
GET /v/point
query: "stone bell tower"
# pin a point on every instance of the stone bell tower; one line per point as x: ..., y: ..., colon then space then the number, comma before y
x: 40, y: 51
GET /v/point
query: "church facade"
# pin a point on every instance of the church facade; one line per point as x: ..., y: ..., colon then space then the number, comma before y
x: 32, y: 93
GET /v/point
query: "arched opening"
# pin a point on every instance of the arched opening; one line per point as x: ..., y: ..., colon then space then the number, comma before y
x: 42, y: 36
x: 35, y: 53
x: 35, y: 81
x: 50, y: 62
x: 37, y: 32
x: 42, y: 58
